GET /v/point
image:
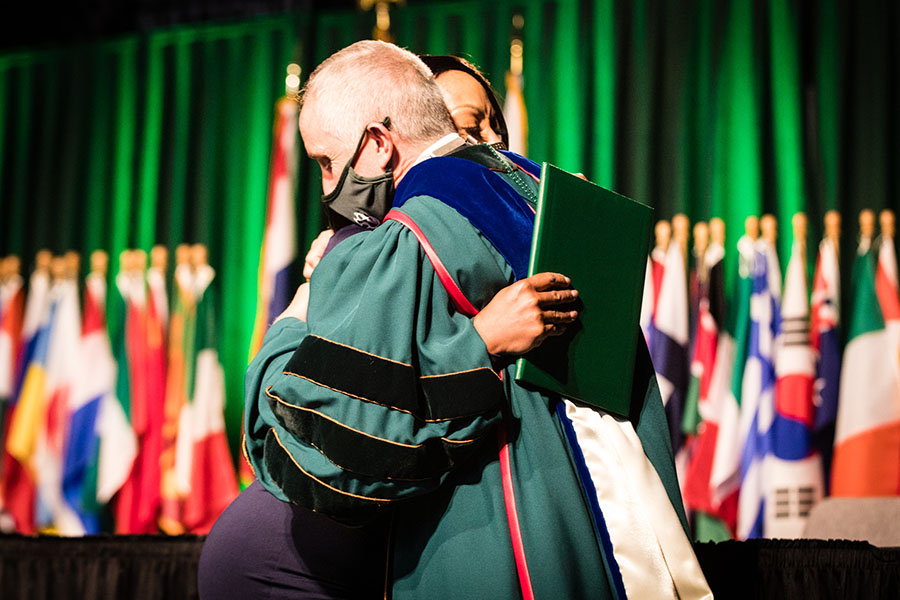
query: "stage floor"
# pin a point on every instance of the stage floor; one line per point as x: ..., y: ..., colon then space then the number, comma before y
x: 165, y: 568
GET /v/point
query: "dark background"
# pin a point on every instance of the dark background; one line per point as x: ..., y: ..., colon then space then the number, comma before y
x: 35, y: 24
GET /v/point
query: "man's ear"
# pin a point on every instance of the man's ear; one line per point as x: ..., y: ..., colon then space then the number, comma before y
x: 384, y: 143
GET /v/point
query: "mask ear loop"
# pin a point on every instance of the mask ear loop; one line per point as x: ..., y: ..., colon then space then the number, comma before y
x: 386, y: 122
x: 359, y: 146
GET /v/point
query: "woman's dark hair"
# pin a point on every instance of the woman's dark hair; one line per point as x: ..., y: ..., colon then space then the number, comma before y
x: 441, y: 63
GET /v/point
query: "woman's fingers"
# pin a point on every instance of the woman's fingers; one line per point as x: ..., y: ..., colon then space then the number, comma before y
x: 548, y: 281
x: 556, y: 297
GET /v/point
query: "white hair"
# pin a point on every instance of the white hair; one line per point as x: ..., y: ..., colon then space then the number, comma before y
x: 370, y: 80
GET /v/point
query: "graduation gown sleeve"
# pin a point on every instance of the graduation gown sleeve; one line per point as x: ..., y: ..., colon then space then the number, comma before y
x: 386, y: 389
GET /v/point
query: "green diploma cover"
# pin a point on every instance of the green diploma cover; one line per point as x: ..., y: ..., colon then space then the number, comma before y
x: 600, y: 240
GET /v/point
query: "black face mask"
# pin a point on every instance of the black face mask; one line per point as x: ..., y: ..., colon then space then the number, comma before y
x: 358, y: 199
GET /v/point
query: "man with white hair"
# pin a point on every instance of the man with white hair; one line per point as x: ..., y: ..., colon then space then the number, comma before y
x: 390, y: 407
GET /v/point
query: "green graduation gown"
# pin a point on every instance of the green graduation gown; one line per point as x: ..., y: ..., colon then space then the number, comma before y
x: 385, y: 404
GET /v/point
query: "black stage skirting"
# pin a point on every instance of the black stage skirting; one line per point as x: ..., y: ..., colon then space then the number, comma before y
x: 165, y: 568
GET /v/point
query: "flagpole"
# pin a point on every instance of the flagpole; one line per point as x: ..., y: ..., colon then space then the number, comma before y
x: 514, y: 103
x: 701, y: 243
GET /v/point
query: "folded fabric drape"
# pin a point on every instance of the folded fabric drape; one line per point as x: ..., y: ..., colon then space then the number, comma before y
x: 653, y: 552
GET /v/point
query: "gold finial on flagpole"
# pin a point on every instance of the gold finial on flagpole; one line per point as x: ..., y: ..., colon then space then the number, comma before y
x: 701, y: 244
x: 745, y: 245
x: 58, y: 267
x: 751, y: 227
x: 663, y: 233
x: 159, y: 257
x: 140, y: 259
x: 182, y: 254
x: 199, y: 255
x: 717, y: 231
x: 866, y: 223
x: 799, y: 225
x: 768, y: 226
x: 833, y: 225
x: 886, y: 222
x: 681, y: 233
x: 125, y: 261
x: 382, y: 30
x: 42, y: 260
x: 10, y: 266
x: 701, y: 238
x: 99, y: 262
x: 73, y: 263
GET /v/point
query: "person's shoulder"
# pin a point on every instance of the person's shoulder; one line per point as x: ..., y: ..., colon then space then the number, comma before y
x: 465, y: 177
x: 440, y: 176
x: 523, y: 162
x: 479, y: 193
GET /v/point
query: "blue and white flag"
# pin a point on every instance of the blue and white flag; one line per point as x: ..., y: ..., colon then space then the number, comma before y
x: 758, y: 389
x: 669, y: 340
x: 65, y: 363
x: 89, y: 428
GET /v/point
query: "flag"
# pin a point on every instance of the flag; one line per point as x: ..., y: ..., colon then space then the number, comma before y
x: 702, y: 338
x: 132, y: 383
x: 182, y: 325
x: 279, y: 249
x: 36, y: 317
x: 30, y: 411
x: 758, y: 386
x: 151, y: 447
x: 652, y: 283
x: 12, y: 308
x: 669, y: 340
x: 793, y: 470
x: 726, y: 390
x: 866, y: 459
x: 117, y: 444
x: 212, y: 480
x: 157, y: 289
x: 657, y: 270
x: 705, y: 366
x: 18, y: 478
x: 64, y: 362
x: 826, y: 343
x: 184, y: 441
x: 101, y: 447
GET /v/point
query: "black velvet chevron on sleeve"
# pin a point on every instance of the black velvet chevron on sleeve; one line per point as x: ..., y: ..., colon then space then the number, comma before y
x: 369, y: 455
x: 394, y: 384
x: 305, y: 490
x: 362, y: 448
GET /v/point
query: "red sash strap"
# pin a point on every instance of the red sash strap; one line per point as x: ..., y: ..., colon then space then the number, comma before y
x: 512, y: 516
x: 530, y: 174
x: 459, y: 299
x: 465, y: 307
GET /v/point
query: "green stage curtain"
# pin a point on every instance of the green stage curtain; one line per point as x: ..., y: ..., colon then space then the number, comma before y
x: 704, y: 107
x: 710, y: 108
x: 156, y: 139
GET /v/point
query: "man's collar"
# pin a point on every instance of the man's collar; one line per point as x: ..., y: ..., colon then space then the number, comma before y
x: 443, y: 146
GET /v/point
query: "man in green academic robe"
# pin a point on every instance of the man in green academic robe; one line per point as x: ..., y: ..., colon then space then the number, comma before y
x: 384, y: 397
